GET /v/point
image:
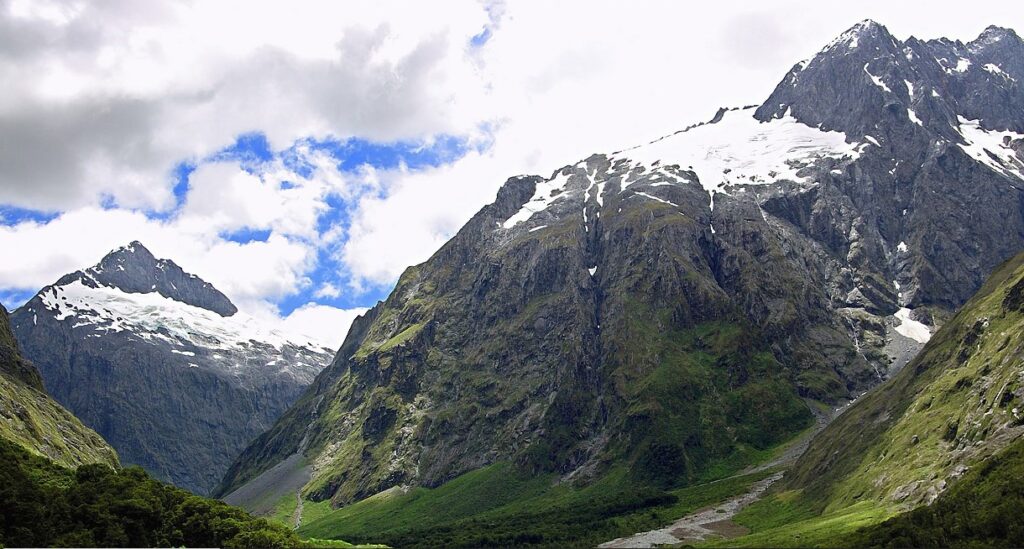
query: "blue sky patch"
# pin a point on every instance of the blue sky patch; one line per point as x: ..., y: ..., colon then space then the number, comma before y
x: 246, y: 235
x: 253, y: 152
x: 250, y: 150
x: 13, y: 215
x: 14, y: 298
x: 355, y: 152
x: 481, y: 39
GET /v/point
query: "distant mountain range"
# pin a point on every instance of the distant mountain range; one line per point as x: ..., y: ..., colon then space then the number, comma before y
x: 162, y: 364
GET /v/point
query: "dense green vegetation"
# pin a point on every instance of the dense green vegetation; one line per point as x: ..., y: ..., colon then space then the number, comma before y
x: 496, y: 507
x: 43, y: 504
x: 698, y: 401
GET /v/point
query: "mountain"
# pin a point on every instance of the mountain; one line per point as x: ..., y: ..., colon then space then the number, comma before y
x: 61, y: 485
x: 663, y: 314
x: 162, y: 365
x: 32, y: 420
x: 943, y: 439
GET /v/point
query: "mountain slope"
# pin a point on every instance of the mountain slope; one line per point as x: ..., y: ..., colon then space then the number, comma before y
x: 664, y: 308
x: 951, y: 418
x: 954, y: 405
x: 981, y: 509
x: 160, y: 363
x: 34, y: 421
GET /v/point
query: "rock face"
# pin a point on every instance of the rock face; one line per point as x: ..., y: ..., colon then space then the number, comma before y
x: 945, y: 123
x: 160, y: 363
x: 953, y: 407
x: 664, y: 307
x: 33, y: 420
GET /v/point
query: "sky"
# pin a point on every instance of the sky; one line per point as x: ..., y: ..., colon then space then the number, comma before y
x: 300, y: 155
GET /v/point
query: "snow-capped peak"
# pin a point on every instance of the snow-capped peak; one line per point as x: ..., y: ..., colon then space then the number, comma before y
x: 186, y: 329
x: 134, y: 269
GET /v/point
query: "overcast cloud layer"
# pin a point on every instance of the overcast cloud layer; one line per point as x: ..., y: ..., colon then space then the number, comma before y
x: 122, y: 120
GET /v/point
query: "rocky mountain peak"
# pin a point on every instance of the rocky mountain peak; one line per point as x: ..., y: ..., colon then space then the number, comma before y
x: 994, y: 36
x: 907, y: 93
x: 134, y: 254
x: 867, y: 34
x: 134, y: 269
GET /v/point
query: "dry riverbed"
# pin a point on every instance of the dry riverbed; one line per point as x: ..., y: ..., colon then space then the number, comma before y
x: 716, y: 521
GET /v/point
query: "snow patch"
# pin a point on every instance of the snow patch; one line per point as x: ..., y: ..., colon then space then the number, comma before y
x: 914, y: 118
x: 652, y: 197
x: 901, y: 247
x: 153, y: 317
x: 911, y: 328
x: 740, y: 150
x: 878, y: 81
x: 546, y: 193
x: 991, y: 147
x: 994, y: 69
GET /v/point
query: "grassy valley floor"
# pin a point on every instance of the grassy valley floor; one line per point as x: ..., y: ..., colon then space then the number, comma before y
x: 496, y: 506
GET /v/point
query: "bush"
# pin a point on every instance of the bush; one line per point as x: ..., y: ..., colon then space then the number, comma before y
x: 42, y: 504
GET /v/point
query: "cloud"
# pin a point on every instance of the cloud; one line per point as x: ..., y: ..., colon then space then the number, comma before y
x: 327, y: 290
x: 419, y: 211
x: 388, y: 124
x: 103, y: 100
x: 326, y: 325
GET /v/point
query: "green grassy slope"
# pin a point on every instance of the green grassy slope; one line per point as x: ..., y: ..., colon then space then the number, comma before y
x: 36, y: 422
x: 983, y: 509
x: 33, y: 420
x: 496, y: 507
x: 949, y: 407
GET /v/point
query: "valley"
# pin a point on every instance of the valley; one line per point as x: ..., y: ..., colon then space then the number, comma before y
x: 797, y: 323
